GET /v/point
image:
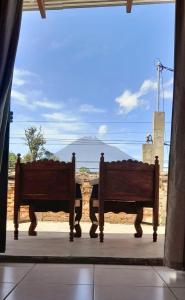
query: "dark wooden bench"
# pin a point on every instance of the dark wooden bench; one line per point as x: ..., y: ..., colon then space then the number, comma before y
x: 44, y: 185
x: 128, y: 186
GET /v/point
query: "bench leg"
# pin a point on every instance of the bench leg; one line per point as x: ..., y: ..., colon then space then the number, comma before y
x: 101, y: 226
x: 71, y: 235
x: 71, y: 224
x: 94, y: 220
x: 101, y: 234
x: 155, y: 235
x: 78, y: 216
x: 33, y: 220
x: 155, y: 224
x: 137, y: 224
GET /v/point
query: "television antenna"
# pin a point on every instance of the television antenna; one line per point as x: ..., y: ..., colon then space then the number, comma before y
x: 160, y: 67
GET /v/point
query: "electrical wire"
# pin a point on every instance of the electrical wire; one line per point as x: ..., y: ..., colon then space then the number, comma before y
x: 86, y: 122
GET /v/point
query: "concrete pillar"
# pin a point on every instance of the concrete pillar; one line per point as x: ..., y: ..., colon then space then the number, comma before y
x: 158, y: 137
x: 175, y: 226
x: 149, y: 151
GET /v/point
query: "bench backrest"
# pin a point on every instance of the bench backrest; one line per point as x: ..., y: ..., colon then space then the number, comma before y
x: 45, y: 180
x: 128, y: 181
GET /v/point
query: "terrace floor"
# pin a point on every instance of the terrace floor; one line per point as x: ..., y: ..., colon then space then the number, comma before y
x: 53, y: 241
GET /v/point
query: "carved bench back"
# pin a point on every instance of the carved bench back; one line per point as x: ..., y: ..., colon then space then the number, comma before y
x: 128, y: 181
x: 45, y: 180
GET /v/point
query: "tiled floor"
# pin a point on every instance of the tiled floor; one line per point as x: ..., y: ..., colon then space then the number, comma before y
x: 89, y: 282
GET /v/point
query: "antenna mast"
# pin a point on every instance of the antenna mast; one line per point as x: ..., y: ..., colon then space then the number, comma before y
x: 160, y: 68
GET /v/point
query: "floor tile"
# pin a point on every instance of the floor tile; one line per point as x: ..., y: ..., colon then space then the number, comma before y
x: 131, y: 277
x: 131, y: 267
x: 58, y: 273
x: 72, y: 265
x: 179, y: 293
x: 129, y: 293
x: 12, y: 274
x: 172, y: 278
x: 18, y: 265
x: 38, y: 291
x: 5, y: 288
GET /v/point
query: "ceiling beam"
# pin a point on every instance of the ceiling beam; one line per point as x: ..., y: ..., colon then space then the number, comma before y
x: 42, y: 9
x: 129, y: 6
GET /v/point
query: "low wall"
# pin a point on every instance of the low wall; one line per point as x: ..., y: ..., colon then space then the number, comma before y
x: 86, y: 192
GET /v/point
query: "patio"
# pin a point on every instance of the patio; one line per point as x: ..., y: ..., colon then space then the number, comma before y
x: 52, y: 245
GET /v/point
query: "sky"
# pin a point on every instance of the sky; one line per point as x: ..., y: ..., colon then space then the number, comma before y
x: 92, y: 72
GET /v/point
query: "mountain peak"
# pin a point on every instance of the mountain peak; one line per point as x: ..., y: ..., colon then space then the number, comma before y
x: 88, y: 151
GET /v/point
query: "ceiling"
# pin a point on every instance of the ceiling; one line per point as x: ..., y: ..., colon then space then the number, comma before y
x: 44, y: 5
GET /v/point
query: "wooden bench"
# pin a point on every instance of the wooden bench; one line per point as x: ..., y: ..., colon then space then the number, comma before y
x: 129, y: 186
x: 44, y: 185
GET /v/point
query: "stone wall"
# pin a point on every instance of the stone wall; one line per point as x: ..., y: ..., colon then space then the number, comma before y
x: 86, y: 192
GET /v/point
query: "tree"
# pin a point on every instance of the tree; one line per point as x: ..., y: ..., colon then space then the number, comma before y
x: 84, y: 170
x: 12, y: 160
x: 50, y: 155
x: 27, y: 158
x: 35, y: 141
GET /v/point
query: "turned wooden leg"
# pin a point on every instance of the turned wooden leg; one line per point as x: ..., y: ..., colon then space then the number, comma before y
x: 71, y: 225
x: 137, y: 224
x: 78, y: 216
x: 101, y: 234
x: 94, y: 220
x: 33, y: 220
x: 71, y: 234
x: 155, y: 235
x: 101, y: 226
x: 155, y: 224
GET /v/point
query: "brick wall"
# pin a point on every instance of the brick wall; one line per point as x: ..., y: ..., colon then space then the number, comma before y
x: 86, y: 191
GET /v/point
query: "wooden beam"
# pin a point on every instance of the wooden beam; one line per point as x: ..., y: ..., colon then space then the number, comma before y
x: 41, y: 6
x: 129, y: 6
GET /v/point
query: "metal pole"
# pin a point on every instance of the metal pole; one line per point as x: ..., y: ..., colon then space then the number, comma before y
x: 158, y: 84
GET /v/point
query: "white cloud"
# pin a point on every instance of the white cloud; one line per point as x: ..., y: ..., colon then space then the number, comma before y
x: 60, y: 117
x: 129, y: 101
x: 102, y: 130
x: 47, y: 104
x: 30, y: 98
x: 147, y: 86
x: 18, y: 81
x: 91, y: 109
x: 25, y: 99
x: 21, y: 77
x: 22, y: 99
x: 168, y: 94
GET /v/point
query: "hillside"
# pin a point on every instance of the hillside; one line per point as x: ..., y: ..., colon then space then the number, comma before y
x: 88, y: 152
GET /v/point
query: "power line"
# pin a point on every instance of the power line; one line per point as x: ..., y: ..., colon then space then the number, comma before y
x: 80, y: 144
x: 88, y: 133
x: 87, y: 122
x: 93, y: 144
x: 89, y: 141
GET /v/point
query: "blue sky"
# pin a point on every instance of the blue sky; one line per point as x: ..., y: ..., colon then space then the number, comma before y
x: 92, y: 65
